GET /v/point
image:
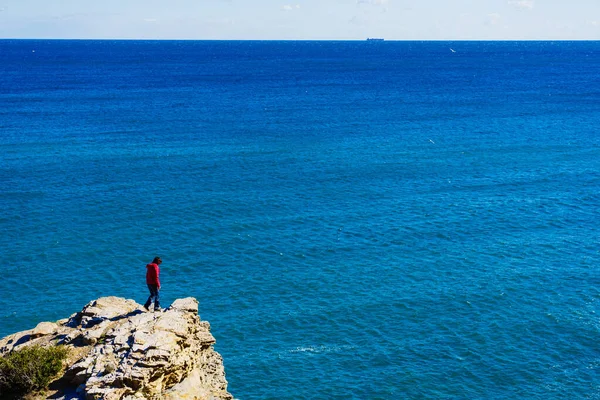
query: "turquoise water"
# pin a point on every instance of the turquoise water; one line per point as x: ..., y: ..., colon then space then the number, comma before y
x: 358, y: 220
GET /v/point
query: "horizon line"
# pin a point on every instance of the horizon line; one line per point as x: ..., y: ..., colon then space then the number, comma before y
x: 307, y: 40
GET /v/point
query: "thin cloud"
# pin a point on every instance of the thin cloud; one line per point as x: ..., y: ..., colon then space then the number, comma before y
x: 522, y: 4
x: 290, y: 7
x: 373, y: 2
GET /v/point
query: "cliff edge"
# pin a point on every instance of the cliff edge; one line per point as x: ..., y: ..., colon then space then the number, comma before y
x: 117, y: 351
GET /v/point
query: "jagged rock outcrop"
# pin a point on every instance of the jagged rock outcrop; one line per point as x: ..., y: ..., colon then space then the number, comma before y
x: 120, y: 352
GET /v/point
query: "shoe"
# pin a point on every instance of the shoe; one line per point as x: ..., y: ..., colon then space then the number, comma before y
x: 146, y: 307
x: 158, y: 309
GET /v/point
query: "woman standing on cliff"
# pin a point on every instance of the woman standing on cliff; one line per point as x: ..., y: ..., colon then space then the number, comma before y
x: 153, y: 282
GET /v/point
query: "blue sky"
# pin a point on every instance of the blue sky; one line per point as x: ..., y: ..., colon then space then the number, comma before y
x: 302, y: 19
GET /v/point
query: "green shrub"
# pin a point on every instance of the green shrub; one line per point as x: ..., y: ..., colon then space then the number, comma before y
x: 31, y: 368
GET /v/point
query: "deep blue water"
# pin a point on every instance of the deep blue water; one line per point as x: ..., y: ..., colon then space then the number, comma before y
x: 358, y: 220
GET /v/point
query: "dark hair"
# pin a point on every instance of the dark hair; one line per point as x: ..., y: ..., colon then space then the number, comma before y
x: 156, y: 260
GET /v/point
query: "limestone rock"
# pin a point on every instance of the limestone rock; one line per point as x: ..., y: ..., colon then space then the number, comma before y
x: 120, y: 352
x: 44, y: 328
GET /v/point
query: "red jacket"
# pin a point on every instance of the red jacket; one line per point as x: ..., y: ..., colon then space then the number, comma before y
x: 152, y: 274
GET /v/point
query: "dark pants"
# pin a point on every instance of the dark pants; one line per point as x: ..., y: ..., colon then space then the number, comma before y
x: 153, y: 297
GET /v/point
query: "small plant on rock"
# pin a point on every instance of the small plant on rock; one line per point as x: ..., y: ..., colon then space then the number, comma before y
x: 31, y: 368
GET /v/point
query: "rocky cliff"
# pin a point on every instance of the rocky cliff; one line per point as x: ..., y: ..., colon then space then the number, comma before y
x: 118, y: 351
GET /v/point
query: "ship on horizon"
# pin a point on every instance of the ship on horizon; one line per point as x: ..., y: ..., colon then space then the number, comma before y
x: 375, y: 39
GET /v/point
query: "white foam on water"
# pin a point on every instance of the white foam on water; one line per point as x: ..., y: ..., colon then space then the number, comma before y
x: 320, y: 349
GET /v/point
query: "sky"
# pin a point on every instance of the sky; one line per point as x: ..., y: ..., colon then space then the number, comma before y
x: 302, y: 19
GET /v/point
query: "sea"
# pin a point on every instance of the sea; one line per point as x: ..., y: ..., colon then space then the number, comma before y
x: 358, y: 220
